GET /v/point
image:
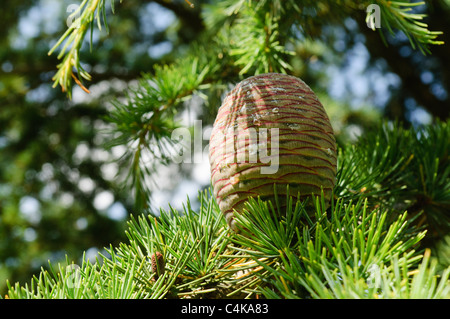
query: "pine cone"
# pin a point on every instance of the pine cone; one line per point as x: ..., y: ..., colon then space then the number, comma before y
x: 271, y: 131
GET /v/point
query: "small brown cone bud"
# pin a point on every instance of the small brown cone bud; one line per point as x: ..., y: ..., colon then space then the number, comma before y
x: 158, y: 264
x: 271, y: 129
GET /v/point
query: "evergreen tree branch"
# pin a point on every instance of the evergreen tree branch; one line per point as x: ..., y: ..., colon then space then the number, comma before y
x: 347, y: 252
x: 257, y: 42
x: 257, y: 34
x: 300, y: 254
x: 145, y: 122
x: 400, y: 15
x: 82, y: 18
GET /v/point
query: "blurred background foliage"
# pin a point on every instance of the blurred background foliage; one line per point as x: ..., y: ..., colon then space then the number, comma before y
x: 59, y: 190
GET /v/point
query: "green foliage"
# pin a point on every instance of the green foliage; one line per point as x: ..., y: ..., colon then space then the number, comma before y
x: 353, y: 249
x: 256, y: 43
x: 374, y: 165
x: 82, y: 18
x: 248, y: 38
x: 416, y: 180
x: 145, y: 122
x: 258, y: 30
x: 393, y: 184
x: 345, y: 256
x: 318, y: 263
x: 400, y: 15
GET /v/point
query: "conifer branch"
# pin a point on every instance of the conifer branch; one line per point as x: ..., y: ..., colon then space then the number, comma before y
x: 351, y: 251
x: 368, y: 244
x: 258, y: 42
x: 82, y: 19
x: 400, y: 15
x: 145, y: 122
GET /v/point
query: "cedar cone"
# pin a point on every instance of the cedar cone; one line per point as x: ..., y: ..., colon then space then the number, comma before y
x: 270, y: 130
